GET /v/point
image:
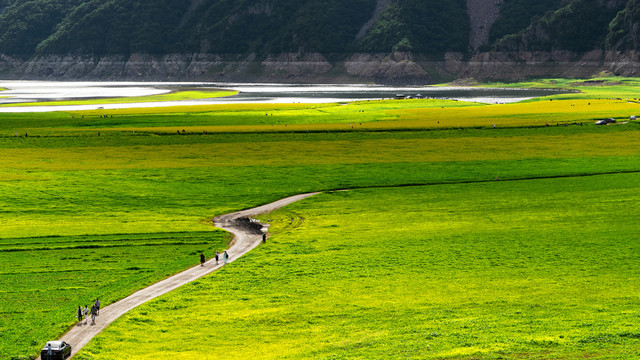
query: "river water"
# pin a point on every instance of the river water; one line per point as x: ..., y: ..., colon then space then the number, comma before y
x: 36, y: 91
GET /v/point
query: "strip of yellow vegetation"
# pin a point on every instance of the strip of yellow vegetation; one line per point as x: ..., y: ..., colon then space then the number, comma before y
x: 388, y: 117
x: 521, y: 114
x: 279, y: 153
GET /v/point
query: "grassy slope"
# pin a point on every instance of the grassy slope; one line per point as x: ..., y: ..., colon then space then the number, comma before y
x: 68, y: 181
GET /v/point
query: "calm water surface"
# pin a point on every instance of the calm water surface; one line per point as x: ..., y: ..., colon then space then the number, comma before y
x: 34, y: 91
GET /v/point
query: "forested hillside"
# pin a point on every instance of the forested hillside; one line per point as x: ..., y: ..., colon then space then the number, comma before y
x: 517, y: 15
x: 326, y: 26
x: 421, y: 27
x: 370, y: 39
x: 578, y: 26
x: 220, y: 26
x: 117, y: 27
x: 230, y: 26
x: 25, y: 24
x: 240, y: 26
x: 624, y: 30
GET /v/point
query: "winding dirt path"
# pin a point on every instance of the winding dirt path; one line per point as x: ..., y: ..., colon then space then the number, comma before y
x: 248, y: 235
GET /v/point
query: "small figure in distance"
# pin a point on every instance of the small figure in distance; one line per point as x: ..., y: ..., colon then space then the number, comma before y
x: 97, y: 303
x: 264, y: 238
x: 217, y: 256
x: 202, y: 259
x: 225, y: 257
x: 93, y: 314
x: 86, y: 314
x: 79, y: 314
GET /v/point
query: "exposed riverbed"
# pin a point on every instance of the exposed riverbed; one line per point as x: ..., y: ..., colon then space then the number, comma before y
x: 41, y: 91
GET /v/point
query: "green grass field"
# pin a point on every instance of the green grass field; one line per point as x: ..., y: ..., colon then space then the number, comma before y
x: 101, y: 203
x: 501, y: 269
x: 175, y: 95
x: 44, y: 279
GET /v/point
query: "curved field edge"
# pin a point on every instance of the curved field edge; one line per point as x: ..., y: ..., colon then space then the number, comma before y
x: 176, y: 95
x: 488, y: 270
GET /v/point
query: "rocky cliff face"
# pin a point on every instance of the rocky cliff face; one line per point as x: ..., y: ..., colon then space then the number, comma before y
x: 295, y: 66
x: 522, y: 65
x: 286, y: 67
x: 623, y: 63
x: 395, y: 68
x: 137, y: 66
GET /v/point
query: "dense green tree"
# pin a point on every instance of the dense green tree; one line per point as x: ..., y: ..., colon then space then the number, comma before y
x: 517, y: 15
x: 5, y: 3
x: 276, y: 25
x: 582, y: 25
x: 624, y: 30
x: 24, y: 24
x: 432, y: 26
x: 578, y: 26
x: 116, y: 27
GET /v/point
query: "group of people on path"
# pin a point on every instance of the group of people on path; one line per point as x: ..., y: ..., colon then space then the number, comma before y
x: 225, y: 257
x: 84, y: 313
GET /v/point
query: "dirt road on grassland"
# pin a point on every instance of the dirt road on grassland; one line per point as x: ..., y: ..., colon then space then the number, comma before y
x: 248, y: 235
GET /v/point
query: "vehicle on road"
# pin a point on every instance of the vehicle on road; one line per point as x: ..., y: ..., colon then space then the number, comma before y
x: 606, y: 121
x: 55, y: 350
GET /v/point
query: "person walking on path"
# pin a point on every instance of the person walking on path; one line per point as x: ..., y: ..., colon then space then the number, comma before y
x: 93, y: 314
x: 86, y: 314
x: 202, y: 259
x: 79, y: 314
x: 264, y: 238
x: 225, y: 257
x: 217, y: 256
x: 97, y: 304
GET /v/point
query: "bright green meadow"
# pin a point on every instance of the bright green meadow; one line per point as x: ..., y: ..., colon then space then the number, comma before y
x: 175, y: 95
x: 426, y: 256
x: 503, y: 269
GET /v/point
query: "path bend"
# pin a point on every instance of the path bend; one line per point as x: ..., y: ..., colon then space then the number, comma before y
x: 247, y: 235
